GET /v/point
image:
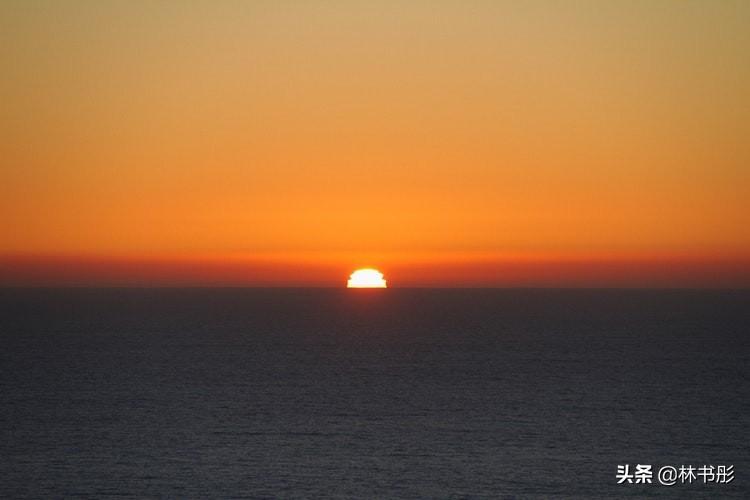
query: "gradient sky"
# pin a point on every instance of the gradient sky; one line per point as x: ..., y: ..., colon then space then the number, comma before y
x: 452, y: 143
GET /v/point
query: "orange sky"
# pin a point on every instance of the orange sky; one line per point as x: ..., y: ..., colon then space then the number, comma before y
x: 447, y: 143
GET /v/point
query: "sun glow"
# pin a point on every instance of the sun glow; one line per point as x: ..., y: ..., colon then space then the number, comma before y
x: 366, y: 278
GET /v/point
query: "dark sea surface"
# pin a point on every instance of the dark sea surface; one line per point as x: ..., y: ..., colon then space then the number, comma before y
x: 229, y: 393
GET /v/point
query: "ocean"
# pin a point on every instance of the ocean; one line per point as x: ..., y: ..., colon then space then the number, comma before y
x: 397, y: 393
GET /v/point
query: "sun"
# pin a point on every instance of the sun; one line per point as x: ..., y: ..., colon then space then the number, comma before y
x: 366, y: 278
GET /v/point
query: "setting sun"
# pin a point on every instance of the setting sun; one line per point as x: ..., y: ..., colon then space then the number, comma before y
x: 366, y: 278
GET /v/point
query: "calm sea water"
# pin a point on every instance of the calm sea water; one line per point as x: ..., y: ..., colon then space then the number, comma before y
x: 206, y: 393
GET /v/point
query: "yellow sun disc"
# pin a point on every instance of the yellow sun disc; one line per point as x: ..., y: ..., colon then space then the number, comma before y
x: 366, y: 278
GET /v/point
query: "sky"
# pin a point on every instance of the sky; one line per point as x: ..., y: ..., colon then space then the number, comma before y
x: 447, y: 143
